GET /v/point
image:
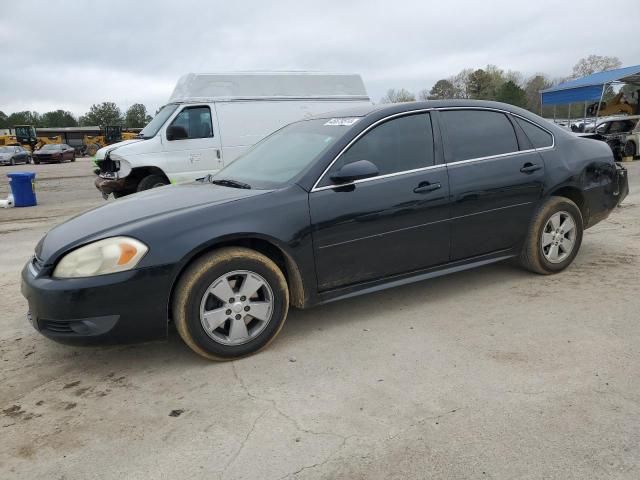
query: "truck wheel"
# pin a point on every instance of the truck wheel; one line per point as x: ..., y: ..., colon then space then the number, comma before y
x: 230, y: 303
x: 554, y: 237
x: 152, y: 181
x: 630, y: 149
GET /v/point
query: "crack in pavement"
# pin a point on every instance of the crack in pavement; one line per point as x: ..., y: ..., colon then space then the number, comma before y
x: 243, y: 443
x: 422, y: 421
x: 292, y: 420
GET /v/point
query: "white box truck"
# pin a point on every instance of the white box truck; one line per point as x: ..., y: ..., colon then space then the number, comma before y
x: 211, y: 119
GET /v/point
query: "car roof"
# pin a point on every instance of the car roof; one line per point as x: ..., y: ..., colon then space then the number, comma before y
x: 391, y: 108
x: 380, y: 111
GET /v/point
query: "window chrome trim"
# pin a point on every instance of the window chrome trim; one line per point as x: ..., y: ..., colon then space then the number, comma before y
x: 378, y: 177
x: 315, y: 187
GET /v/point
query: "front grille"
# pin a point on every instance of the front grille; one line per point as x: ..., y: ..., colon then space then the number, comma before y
x: 108, y: 166
x: 56, y: 326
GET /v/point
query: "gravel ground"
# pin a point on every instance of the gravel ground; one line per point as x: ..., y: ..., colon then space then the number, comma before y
x: 494, y: 373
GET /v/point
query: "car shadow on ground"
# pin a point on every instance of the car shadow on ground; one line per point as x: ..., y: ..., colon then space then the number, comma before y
x: 300, y: 323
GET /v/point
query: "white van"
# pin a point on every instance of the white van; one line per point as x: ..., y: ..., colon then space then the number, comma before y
x: 211, y: 119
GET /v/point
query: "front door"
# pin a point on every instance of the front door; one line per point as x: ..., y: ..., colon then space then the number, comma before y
x: 389, y: 224
x: 496, y: 180
x: 200, y: 152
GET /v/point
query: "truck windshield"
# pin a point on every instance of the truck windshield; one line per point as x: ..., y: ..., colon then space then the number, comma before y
x: 154, y: 125
x: 283, y: 155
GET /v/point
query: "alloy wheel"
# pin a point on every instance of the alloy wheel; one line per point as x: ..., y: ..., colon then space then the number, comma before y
x: 558, y: 237
x: 236, y: 307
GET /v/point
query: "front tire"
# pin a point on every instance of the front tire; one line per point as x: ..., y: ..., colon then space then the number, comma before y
x: 630, y: 149
x: 152, y: 181
x: 554, y: 237
x: 230, y: 303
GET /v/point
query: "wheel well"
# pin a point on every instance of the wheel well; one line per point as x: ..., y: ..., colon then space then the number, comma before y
x: 140, y: 172
x: 284, y: 262
x: 575, y: 195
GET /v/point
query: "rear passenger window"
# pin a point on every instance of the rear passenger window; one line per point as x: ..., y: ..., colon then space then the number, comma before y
x: 401, y: 144
x: 538, y: 137
x: 477, y: 133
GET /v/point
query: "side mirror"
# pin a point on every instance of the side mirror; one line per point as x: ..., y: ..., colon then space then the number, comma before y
x: 355, y: 171
x: 175, y: 132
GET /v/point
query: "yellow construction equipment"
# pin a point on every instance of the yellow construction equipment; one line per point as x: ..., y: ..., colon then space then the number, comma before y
x: 8, y: 140
x: 112, y: 134
x: 26, y: 136
x: 618, y: 104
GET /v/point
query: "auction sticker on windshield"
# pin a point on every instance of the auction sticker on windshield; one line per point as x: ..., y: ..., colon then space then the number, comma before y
x: 342, y: 121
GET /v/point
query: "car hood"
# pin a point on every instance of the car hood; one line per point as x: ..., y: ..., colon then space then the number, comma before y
x: 117, y: 216
x: 100, y: 154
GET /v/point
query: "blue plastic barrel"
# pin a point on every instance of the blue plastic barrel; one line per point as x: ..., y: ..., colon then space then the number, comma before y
x: 23, y: 187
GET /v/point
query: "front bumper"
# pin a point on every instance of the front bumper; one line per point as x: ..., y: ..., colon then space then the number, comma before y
x: 122, y: 307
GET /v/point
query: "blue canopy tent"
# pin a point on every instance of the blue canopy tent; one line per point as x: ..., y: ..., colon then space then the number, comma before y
x: 589, y: 88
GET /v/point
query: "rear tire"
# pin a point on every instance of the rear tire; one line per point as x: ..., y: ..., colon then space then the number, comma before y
x: 630, y: 149
x: 221, y: 328
x: 12, y: 162
x: 551, y: 244
x: 152, y: 181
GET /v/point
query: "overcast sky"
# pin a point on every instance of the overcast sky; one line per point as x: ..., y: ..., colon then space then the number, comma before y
x: 70, y: 54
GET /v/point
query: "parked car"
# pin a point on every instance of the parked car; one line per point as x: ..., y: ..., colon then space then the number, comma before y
x: 13, y: 154
x: 213, y: 118
x: 621, y: 133
x: 58, y: 152
x: 324, y: 209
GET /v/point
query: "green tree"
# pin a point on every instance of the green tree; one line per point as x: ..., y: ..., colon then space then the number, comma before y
x: 441, y: 89
x: 532, y: 91
x: 25, y: 117
x: 136, y: 116
x: 106, y: 113
x: 398, y: 96
x: 4, y: 120
x: 595, y: 63
x: 510, y: 92
x: 58, y: 118
x: 480, y: 85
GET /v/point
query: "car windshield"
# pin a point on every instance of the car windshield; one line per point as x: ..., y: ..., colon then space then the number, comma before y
x: 5, y: 150
x: 283, y: 155
x: 52, y: 147
x: 154, y: 125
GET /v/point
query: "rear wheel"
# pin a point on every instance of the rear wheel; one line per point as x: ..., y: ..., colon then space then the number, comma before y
x: 152, y: 181
x: 554, y: 237
x: 12, y: 161
x: 230, y: 303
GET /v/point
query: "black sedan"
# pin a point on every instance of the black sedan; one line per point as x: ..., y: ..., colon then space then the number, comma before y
x: 14, y: 154
x: 323, y: 209
x: 54, y: 152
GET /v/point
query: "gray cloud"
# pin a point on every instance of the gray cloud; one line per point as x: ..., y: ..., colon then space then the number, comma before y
x: 70, y: 54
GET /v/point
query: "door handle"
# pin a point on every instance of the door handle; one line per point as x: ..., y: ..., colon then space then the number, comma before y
x: 218, y: 153
x: 530, y: 167
x: 424, y: 187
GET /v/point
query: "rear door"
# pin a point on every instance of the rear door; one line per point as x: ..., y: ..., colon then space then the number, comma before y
x: 496, y: 179
x: 389, y: 224
x: 198, y: 154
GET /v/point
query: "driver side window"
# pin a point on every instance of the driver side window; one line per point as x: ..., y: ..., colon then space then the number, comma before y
x: 196, y: 122
x: 397, y: 145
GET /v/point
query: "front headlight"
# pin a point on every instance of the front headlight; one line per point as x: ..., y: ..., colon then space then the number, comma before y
x: 110, y: 255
